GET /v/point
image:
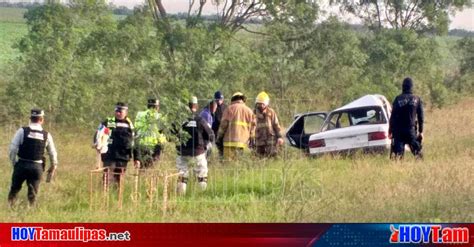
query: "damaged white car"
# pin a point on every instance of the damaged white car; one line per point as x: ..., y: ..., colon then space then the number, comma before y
x: 359, y: 125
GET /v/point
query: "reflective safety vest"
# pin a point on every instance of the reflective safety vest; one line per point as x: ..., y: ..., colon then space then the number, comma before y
x: 113, y: 123
x: 148, y: 125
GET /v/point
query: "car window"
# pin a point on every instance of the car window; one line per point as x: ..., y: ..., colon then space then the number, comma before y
x: 343, y: 121
x: 331, y: 122
x: 385, y: 105
x: 358, y: 116
x: 369, y: 115
x: 313, y: 124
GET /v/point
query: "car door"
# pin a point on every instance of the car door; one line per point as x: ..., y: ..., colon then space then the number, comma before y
x: 303, y: 127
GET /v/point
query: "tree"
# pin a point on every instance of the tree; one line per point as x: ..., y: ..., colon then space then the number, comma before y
x: 419, y: 15
x: 464, y: 82
x: 231, y: 14
x: 50, y: 66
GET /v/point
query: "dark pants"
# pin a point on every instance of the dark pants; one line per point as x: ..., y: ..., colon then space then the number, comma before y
x: 32, y: 173
x: 267, y: 151
x: 114, y: 170
x: 220, y: 149
x: 410, y: 138
x: 148, y: 156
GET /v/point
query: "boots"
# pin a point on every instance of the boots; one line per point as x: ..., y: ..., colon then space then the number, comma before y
x: 181, y: 186
x: 202, y: 183
x: 181, y: 189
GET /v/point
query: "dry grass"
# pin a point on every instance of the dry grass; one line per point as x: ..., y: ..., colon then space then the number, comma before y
x: 297, y: 189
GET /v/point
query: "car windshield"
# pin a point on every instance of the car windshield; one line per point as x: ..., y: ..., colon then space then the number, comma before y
x: 356, y: 116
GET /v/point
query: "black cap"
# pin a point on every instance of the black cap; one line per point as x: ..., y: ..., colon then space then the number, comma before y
x: 218, y: 95
x: 407, y: 85
x: 121, y: 106
x: 153, y: 102
x: 36, y: 112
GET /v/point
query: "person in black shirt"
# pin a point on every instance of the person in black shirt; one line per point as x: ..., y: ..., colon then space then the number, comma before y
x: 221, y: 106
x: 406, y: 121
x: 116, y: 153
x: 193, y: 136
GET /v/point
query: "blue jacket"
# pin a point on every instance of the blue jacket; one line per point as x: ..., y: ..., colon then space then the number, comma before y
x: 207, y: 116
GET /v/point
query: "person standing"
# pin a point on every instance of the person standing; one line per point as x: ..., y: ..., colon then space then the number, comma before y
x: 193, y: 135
x: 149, y: 140
x: 268, y: 131
x: 27, y: 156
x: 237, y: 129
x: 207, y: 114
x: 221, y: 106
x: 118, y: 151
x: 406, y: 121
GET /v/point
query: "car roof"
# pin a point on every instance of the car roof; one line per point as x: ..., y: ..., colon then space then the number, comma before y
x: 367, y: 100
x: 309, y: 113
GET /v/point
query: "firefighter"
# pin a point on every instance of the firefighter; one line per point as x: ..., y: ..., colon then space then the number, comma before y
x: 118, y: 149
x: 237, y: 128
x: 406, y: 121
x: 149, y: 139
x: 268, y: 131
x: 193, y: 135
x: 27, y: 156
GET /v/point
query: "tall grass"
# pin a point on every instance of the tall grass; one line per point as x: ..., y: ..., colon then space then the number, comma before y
x: 293, y: 188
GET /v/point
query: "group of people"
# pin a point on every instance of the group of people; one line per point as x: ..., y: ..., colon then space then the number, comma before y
x: 232, y: 128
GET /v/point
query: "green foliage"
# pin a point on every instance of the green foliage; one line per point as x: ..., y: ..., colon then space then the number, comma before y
x: 421, y: 16
x: 48, y: 77
x: 465, y: 81
x: 394, y: 55
x: 466, y: 46
x: 78, y: 60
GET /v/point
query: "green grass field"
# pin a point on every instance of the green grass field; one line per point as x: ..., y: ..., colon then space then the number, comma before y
x: 12, y: 15
x: 12, y: 28
x: 11, y: 33
x: 294, y: 189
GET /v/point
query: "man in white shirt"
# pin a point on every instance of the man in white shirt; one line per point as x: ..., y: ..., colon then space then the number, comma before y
x: 27, y: 156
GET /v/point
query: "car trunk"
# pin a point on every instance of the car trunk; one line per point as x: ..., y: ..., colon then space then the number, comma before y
x: 347, y: 138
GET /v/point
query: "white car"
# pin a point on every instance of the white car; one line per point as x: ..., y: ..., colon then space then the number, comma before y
x: 359, y: 125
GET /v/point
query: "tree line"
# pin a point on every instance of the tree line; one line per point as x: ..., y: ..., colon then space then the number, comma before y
x: 77, y: 60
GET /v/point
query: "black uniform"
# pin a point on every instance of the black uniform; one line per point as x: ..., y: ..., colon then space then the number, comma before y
x: 406, y: 120
x: 217, y: 122
x: 31, y: 163
x: 120, y: 145
x: 199, y: 134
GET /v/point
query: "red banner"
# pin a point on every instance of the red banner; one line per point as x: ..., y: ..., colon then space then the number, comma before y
x: 237, y: 234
